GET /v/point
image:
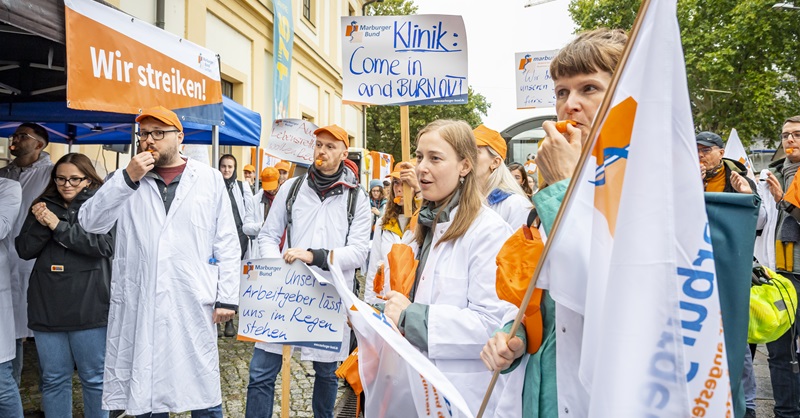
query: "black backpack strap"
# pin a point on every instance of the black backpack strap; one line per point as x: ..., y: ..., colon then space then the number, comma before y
x: 352, y: 201
x: 289, y: 203
x: 532, y: 215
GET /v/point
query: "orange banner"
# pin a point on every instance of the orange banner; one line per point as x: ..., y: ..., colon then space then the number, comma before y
x: 124, y: 66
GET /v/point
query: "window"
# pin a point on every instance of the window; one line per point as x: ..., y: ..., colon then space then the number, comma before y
x: 308, y: 117
x: 227, y: 88
x: 307, y: 10
x: 227, y: 91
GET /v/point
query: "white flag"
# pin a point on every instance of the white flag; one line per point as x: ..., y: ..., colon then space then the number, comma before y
x: 653, y: 343
x: 396, y: 377
x: 735, y: 151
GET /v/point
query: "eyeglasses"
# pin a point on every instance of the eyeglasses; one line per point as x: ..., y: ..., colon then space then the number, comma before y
x: 19, y: 136
x: 157, y: 135
x: 706, y: 150
x: 793, y: 135
x: 73, y: 181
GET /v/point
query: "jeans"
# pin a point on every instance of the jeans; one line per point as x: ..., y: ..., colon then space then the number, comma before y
x: 264, y: 368
x: 213, y: 412
x: 749, y: 381
x: 59, y: 352
x: 10, y: 402
x: 785, y: 383
x: 16, y: 364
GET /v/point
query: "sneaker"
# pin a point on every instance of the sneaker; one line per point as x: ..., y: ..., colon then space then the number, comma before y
x: 750, y: 413
x: 229, y: 330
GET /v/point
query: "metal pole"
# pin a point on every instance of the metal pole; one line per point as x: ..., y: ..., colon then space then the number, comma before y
x: 133, y: 139
x: 215, y: 146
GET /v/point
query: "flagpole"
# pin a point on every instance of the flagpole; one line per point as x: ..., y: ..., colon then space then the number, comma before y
x: 585, y: 152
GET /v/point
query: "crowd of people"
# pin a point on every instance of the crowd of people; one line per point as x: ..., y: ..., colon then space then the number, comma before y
x: 132, y: 278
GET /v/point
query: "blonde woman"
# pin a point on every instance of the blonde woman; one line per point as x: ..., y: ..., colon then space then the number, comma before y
x: 503, y: 193
x: 453, y: 307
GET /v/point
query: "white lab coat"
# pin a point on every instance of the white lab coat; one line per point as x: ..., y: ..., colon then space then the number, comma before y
x: 382, y: 243
x: 318, y: 224
x: 33, y: 181
x: 764, y: 249
x: 514, y: 210
x: 252, y: 226
x: 458, y: 284
x: 11, y: 196
x: 161, y: 353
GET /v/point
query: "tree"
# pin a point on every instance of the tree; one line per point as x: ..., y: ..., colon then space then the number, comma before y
x: 383, y: 122
x: 741, y: 63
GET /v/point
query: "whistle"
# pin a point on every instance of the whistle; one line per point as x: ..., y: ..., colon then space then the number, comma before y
x: 318, y: 163
x: 561, y: 126
x: 790, y: 150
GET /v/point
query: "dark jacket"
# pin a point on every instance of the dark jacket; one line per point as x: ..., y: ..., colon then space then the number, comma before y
x: 739, y: 168
x: 70, y: 284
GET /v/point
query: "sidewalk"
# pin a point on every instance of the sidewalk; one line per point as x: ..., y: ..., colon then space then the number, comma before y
x: 234, y: 364
x: 235, y: 360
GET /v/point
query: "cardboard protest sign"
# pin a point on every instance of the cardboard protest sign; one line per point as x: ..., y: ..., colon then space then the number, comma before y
x: 292, y: 140
x: 117, y: 63
x: 404, y: 60
x: 534, y: 83
x: 287, y: 304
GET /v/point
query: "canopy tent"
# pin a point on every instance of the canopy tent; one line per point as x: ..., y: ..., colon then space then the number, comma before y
x: 241, y: 126
x: 33, y: 83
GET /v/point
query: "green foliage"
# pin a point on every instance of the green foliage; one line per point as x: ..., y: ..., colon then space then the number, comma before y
x: 383, y: 122
x: 741, y: 63
x: 392, y: 8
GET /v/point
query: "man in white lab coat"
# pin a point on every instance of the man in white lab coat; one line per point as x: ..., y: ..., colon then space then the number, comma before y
x: 31, y: 168
x: 319, y: 226
x: 10, y: 402
x: 174, y: 275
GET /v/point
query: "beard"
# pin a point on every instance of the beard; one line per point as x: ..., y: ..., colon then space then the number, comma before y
x: 166, y: 156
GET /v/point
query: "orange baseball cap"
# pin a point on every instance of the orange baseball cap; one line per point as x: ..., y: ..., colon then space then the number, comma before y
x: 337, y: 132
x: 284, y: 165
x: 249, y: 167
x: 269, y: 178
x: 163, y: 114
x: 396, y: 172
x: 485, y: 137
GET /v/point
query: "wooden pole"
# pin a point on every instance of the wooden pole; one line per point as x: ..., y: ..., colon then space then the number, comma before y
x: 406, y: 144
x: 286, y: 379
x: 602, y: 113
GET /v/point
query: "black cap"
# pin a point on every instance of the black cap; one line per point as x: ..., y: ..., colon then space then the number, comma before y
x: 709, y: 139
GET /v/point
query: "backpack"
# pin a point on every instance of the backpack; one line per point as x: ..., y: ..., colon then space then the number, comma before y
x: 352, y: 199
x: 773, y: 304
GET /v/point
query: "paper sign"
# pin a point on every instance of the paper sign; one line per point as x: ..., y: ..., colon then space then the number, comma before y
x: 117, y: 63
x: 534, y: 83
x: 404, y: 60
x: 292, y: 140
x: 288, y: 304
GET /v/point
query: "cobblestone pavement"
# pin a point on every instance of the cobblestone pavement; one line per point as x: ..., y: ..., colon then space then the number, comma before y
x: 235, y: 360
x: 234, y: 363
